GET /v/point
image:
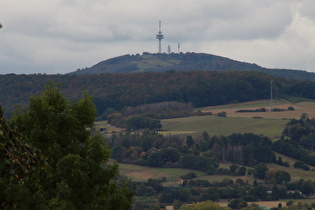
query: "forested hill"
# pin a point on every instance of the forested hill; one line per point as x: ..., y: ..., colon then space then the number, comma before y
x: 184, y: 62
x: 201, y: 88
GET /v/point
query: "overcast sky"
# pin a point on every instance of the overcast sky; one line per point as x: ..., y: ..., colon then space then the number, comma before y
x: 61, y: 36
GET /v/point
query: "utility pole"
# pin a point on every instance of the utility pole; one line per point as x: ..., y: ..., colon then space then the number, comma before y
x: 271, y: 96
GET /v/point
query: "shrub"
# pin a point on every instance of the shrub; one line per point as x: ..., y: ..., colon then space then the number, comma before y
x: 301, y: 165
x: 290, y: 108
x: 222, y: 114
x: 190, y: 175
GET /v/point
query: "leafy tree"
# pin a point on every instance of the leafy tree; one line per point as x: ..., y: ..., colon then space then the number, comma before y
x: 253, y: 206
x: 189, y: 175
x: 237, y: 204
x: 118, y: 152
x: 190, y: 141
x: 260, y: 170
x: 282, y: 177
x: 291, y: 108
x: 301, y: 165
x: 221, y: 114
x: 170, y: 154
x: 78, y: 174
x: 18, y: 163
x: 154, y: 158
x: 233, y: 169
x: 242, y: 171
x: 259, y: 191
x: 275, y: 192
x: 307, y: 188
x: 280, y: 161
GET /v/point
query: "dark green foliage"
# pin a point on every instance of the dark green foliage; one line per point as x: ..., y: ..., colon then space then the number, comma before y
x: 222, y: 114
x: 118, y: 153
x: 260, y: 170
x: 233, y: 169
x: 146, y: 202
x: 237, y: 204
x: 290, y: 108
x: 245, y: 149
x: 241, y: 171
x: 250, y: 198
x: 167, y: 109
x: 190, y: 175
x: 259, y: 191
x: 252, y: 110
x: 190, y: 141
x: 278, y: 110
x: 300, y: 141
x: 198, y: 182
x: 282, y: 177
x: 159, y: 157
x: 203, y: 163
x: 140, y: 122
x: 20, y: 162
x: 301, y: 165
x: 279, y: 161
x: 121, y: 90
x: 286, y: 148
x: 76, y: 173
x: 307, y: 188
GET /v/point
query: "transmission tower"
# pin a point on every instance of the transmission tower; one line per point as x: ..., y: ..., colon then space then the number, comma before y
x: 160, y: 36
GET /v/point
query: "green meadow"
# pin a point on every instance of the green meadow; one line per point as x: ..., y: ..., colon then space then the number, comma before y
x: 224, y: 125
x: 143, y: 173
x: 270, y: 124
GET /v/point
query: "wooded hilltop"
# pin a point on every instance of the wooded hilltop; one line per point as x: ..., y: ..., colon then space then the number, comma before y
x: 201, y: 88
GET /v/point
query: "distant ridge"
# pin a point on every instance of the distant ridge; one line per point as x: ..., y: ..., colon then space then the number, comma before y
x: 148, y: 62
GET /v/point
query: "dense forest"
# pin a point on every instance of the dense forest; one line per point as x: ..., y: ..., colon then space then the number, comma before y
x: 200, y: 88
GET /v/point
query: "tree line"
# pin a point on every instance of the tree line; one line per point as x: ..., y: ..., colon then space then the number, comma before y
x: 298, y: 140
x: 152, y: 194
x: 201, y: 152
x: 199, y: 88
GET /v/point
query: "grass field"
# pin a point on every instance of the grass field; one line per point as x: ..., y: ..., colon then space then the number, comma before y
x: 270, y: 124
x: 300, y: 107
x: 152, y: 61
x: 224, y: 126
x: 143, y: 173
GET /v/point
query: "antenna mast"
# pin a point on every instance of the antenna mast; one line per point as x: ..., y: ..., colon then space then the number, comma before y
x: 160, y: 36
x: 169, y: 49
x: 271, y: 95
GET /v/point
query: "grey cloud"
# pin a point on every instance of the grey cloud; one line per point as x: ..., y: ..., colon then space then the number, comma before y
x: 63, y: 35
